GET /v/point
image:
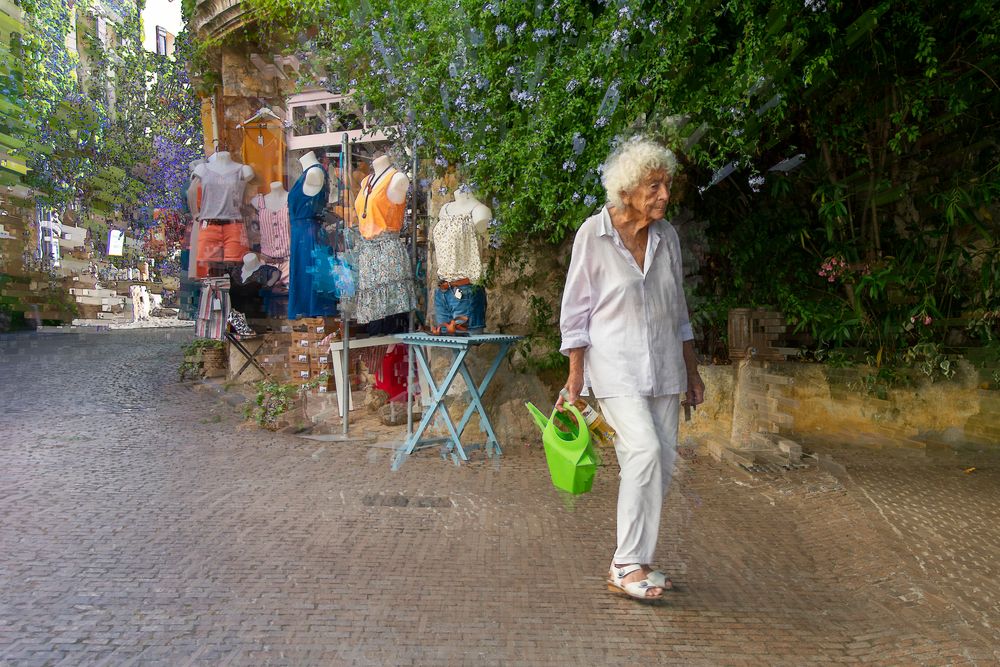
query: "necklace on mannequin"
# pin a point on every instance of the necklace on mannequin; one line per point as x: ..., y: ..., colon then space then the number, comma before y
x: 370, y: 187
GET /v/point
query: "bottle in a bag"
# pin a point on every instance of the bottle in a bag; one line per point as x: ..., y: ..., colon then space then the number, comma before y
x: 604, y: 435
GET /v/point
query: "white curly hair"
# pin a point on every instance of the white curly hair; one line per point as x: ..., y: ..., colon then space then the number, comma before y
x: 630, y: 162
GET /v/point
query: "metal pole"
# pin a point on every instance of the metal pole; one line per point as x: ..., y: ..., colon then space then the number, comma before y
x: 345, y: 394
x: 413, y: 273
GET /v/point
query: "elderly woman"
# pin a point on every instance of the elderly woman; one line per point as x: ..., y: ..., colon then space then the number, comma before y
x: 626, y: 331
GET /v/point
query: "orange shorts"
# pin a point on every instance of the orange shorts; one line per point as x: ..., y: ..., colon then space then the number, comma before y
x: 221, y: 243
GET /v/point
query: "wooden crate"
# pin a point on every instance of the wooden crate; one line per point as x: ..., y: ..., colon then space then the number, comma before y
x: 758, y: 328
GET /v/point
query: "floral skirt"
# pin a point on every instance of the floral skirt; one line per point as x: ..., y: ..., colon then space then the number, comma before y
x: 385, y: 286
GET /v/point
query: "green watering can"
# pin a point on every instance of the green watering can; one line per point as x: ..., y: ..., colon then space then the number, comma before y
x: 571, y: 458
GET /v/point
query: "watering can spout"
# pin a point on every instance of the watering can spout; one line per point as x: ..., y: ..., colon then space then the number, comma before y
x: 540, y: 420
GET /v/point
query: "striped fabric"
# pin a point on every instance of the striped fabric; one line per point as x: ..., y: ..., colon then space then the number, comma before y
x: 274, y: 231
x: 211, y: 323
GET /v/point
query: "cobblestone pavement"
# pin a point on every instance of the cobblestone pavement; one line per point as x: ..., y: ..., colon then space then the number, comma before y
x: 142, y: 524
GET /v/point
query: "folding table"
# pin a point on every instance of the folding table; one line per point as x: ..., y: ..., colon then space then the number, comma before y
x: 251, y: 357
x: 342, y: 385
x: 452, y: 444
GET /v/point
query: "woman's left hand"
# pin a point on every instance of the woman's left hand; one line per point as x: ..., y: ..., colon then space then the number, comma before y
x: 695, y: 390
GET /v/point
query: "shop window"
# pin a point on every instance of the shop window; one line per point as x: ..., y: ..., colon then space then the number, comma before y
x: 102, y: 31
x: 164, y: 42
x: 320, y: 119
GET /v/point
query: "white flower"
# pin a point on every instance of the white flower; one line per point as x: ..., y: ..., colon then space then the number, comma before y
x: 569, y: 165
x: 501, y: 32
x: 589, y: 200
x: 572, y: 85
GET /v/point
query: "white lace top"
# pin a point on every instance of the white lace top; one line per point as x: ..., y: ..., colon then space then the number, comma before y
x: 456, y: 247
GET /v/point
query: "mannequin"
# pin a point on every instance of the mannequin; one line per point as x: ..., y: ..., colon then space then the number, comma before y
x: 460, y: 299
x: 385, y: 284
x: 220, y: 161
x: 193, y: 202
x: 306, y: 204
x: 466, y: 202
x: 275, y: 236
x: 277, y: 197
x: 246, y: 281
x: 399, y: 185
x: 222, y: 237
x: 315, y: 179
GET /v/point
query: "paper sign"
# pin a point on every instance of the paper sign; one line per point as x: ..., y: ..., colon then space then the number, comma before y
x: 116, y: 242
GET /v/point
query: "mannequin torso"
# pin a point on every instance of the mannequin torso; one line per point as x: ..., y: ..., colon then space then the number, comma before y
x: 458, y: 235
x: 466, y: 203
x: 315, y: 178
x: 220, y: 163
x: 398, y: 186
x: 381, y: 201
x: 277, y: 198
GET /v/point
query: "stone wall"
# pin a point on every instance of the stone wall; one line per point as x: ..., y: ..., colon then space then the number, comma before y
x: 830, y: 402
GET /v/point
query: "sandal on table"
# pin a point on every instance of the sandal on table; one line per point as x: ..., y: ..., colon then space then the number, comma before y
x: 441, y: 329
x: 633, y: 589
x: 459, y: 326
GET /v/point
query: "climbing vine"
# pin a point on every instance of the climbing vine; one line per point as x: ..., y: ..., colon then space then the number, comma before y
x: 815, y: 134
x: 115, y: 122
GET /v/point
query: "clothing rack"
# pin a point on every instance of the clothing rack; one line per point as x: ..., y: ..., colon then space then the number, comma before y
x: 346, y: 157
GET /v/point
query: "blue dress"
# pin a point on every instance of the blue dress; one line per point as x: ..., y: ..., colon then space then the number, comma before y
x: 305, y: 214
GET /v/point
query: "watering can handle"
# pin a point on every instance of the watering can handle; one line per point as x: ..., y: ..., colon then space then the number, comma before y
x: 583, y: 434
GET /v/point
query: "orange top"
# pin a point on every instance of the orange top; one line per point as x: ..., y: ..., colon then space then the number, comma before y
x: 380, y: 215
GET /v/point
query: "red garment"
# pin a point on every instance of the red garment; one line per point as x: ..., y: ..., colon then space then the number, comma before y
x: 391, y: 377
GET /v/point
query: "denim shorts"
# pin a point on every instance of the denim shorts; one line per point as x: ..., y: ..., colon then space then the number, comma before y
x: 472, y: 304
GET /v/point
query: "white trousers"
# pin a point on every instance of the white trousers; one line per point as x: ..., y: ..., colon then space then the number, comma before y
x: 646, y: 446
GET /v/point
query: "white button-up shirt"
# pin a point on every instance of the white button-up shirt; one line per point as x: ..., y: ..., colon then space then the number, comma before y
x: 632, y: 320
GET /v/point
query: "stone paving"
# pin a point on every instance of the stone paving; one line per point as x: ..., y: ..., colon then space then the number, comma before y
x: 143, y: 524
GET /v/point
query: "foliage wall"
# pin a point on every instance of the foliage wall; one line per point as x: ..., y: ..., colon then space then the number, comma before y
x: 844, y: 153
x: 119, y: 124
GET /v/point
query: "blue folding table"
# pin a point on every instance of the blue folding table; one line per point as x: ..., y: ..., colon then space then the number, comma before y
x: 452, y: 444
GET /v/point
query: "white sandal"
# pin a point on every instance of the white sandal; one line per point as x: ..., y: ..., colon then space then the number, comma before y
x: 660, y: 580
x: 633, y: 589
x: 657, y: 578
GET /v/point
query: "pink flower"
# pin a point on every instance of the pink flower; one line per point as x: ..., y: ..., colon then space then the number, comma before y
x: 927, y: 320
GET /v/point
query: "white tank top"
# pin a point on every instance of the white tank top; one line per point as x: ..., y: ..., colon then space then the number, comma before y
x: 456, y: 246
x: 222, y: 193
